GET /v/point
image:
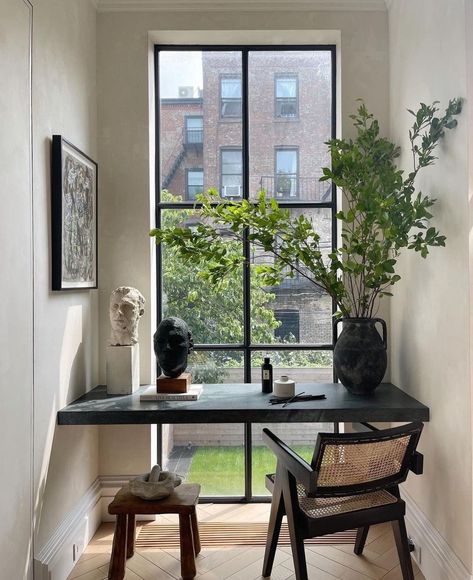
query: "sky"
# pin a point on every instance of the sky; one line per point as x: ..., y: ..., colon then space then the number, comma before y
x: 179, y: 69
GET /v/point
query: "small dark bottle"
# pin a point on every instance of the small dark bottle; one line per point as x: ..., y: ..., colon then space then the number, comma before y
x: 267, y: 376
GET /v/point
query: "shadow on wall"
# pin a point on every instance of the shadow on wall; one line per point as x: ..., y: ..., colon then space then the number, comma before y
x: 67, y: 462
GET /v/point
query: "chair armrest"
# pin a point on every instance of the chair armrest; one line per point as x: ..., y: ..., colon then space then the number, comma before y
x: 297, y: 466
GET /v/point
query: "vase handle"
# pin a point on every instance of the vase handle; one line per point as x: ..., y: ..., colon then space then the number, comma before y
x: 385, y: 331
x: 335, y: 327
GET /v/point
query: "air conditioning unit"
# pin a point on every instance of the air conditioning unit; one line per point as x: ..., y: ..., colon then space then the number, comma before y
x: 186, y: 92
x: 231, y: 191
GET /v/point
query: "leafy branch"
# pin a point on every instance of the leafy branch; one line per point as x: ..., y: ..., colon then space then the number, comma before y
x: 382, y: 214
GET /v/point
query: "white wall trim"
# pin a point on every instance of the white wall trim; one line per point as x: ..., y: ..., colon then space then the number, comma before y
x: 438, y: 560
x: 54, y: 561
x: 238, y: 5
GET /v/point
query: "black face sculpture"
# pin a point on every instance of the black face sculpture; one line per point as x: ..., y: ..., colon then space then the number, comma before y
x: 172, y: 343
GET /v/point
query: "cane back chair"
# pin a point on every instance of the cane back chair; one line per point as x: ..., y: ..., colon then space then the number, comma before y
x: 352, y: 482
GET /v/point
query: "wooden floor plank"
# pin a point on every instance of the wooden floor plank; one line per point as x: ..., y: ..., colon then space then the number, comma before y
x: 331, y: 562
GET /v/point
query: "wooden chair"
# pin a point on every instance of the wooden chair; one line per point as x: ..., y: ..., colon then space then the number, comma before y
x: 352, y: 482
x: 126, y: 506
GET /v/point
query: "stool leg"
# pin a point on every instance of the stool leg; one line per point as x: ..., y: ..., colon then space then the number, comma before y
x: 116, y: 570
x: 130, y: 536
x: 195, y: 533
x: 187, y: 547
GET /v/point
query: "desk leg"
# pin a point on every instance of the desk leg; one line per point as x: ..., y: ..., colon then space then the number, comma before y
x: 117, y: 562
x: 187, y: 547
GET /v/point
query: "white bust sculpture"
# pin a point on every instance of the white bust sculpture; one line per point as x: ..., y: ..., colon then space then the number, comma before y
x: 126, y: 309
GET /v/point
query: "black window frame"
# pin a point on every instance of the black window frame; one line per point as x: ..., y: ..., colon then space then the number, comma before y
x: 281, y: 100
x: 245, y: 347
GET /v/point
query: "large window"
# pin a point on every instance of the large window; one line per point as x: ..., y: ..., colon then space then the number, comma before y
x: 237, y: 326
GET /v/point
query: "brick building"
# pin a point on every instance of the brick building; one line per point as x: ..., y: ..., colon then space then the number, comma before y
x: 289, y: 122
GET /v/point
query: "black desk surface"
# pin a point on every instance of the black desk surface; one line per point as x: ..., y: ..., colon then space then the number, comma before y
x: 244, y: 403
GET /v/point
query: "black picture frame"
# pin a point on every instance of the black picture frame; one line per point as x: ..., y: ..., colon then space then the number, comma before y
x: 74, y: 224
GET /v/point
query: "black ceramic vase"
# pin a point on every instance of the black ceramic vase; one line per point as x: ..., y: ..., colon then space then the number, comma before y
x: 359, y: 356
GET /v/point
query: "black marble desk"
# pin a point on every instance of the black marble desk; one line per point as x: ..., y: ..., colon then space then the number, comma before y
x: 244, y: 403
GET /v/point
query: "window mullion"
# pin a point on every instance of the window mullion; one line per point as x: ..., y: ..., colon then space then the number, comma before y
x: 246, y: 244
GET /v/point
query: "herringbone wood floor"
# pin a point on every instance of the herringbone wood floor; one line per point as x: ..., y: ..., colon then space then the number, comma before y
x: 379, y: 560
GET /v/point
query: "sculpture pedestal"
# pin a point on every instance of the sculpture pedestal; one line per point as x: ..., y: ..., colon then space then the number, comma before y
x: 123, y: 369
x: 179, y: 384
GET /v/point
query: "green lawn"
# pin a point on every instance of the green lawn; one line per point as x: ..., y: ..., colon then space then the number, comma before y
x: 220, y: 470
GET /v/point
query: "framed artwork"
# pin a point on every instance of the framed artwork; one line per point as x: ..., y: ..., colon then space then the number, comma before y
x: 73, y: 217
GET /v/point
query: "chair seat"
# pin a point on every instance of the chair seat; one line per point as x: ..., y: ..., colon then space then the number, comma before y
x: 323, y: 507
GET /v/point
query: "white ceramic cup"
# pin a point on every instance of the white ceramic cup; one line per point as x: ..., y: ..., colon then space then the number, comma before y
x: 284, y: 387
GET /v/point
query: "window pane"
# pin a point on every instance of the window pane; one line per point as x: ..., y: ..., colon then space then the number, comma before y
x: 296, y: 294
x: 199, y: 114
x: 290, y: 107
x: 231, y: 87
x: 212, y: 455
x: 214, y: 316
x: 195, y: 122
x: 195, y: 177
x: 301, y: 437
x: 303, y: 366
x: 286, y: 87
x: 286, y: 161
x: 216, y: 366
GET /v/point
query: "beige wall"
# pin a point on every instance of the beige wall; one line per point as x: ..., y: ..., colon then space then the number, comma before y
x: 16, y: 341
x: 126, y: 208
x: 65, y: 323
x: 430, y: 344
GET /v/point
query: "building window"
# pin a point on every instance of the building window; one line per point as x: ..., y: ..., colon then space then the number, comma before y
x: 230, y: 96
x: 287, y: 173
x: 195, y: 182
x: 194, y: 130
x: 286, y: 96
x: 231, y: 172
x: 288, y: 330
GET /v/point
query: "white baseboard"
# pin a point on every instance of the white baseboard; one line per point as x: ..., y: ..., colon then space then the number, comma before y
x: 438, y: 560
x: 58, y: 556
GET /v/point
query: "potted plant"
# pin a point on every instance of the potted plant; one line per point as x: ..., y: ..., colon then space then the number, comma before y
x: 382, y: 214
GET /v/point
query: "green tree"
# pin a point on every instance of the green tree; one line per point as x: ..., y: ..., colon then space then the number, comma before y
x: 215, y: 316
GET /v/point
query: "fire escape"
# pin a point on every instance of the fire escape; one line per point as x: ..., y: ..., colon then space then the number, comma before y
x: 189, y: 139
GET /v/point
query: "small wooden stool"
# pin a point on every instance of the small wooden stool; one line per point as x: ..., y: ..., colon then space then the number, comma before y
x: 126, y: 506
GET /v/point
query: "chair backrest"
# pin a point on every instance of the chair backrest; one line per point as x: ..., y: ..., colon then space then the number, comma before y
x: 351, y: 463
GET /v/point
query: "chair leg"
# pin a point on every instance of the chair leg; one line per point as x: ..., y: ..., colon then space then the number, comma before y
x: 274, y: 528
x: 195, y: 533
x: 187, y: 547
x: 130, y: 536
x: 360, y: 541
x: 116, y: 570
x: 297, y: 541
x: 402, y: 545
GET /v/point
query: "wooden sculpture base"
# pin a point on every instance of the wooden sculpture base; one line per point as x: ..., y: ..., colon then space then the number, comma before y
x: 179, y: 384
